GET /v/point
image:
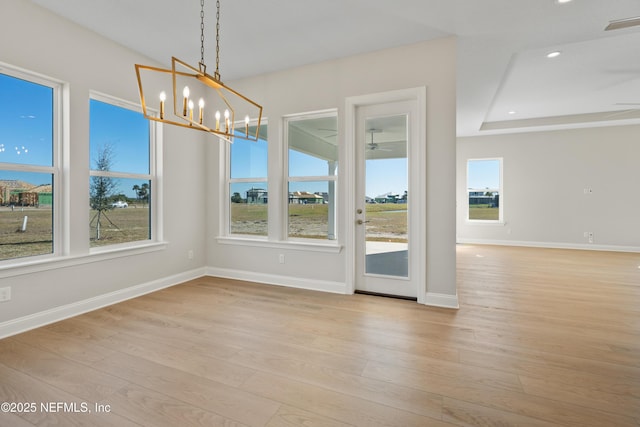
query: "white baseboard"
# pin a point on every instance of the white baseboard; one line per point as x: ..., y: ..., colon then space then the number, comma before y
x: 551, y: 245
x: 274, y: 279
x: 433, y: 299
x: 36, y: 320
x: 441, y: 300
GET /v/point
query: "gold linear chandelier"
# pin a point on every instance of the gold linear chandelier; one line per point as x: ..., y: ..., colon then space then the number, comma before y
x: 219, y: 108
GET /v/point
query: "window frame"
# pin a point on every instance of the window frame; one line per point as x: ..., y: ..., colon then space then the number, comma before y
x: 500, y: 190
x: 332, y: 234
x: 228, y: 181
x: 155, y: 160
x: 60, y: 234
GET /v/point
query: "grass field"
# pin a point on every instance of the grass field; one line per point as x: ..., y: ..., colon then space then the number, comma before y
x: 309, y: 221
x: 484, y: 212
x: 388, y: 222
x: 121, y: 225
x: 127, y: 225
x: 36, y: 240
x: 249, y: 219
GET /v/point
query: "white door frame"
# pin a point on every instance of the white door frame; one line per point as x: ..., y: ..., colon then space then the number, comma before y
x: 417, y: 179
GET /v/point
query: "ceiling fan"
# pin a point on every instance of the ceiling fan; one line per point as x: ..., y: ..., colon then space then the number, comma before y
x: 374, y: 145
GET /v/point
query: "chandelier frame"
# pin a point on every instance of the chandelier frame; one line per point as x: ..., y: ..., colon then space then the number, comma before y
x: 182, y: 114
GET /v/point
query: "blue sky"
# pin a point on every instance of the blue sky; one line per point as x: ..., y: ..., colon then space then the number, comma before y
x: 386, y: 176
x: 248, y: 159
x: 126, y: 131
x: 27, y: 131
x: 483, y: 174
x: 27, y: 127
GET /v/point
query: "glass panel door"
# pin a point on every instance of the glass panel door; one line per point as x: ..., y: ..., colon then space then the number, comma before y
x: 386, y: 255
x: 386, y: 194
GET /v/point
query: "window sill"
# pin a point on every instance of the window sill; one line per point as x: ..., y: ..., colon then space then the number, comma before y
x: 485, y: 222
x: 29, y: 266
x: 294, y: 245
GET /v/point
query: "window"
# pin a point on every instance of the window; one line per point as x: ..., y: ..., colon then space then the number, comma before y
x: 313, y: 172
x: 121, y: 145
x: 29, y: 164
x: 484, y: 189
x: 248, y: 185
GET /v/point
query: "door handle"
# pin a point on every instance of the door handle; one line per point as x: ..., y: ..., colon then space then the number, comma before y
x: 360, y: 222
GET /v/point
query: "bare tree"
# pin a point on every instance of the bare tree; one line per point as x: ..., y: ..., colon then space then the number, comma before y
x: 102, y: 188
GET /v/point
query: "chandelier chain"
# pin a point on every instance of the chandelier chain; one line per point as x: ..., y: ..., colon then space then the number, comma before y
x: 217, y: 74
x: 202, y: 31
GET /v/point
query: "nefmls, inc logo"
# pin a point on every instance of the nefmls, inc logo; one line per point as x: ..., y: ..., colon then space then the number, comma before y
x: 66, y: 407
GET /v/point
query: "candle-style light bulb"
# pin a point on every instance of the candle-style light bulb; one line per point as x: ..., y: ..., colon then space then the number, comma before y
x: 163, y: 97
x: 190, y: 111
x: 201, y: 105
x: 185, y: 94
x: 217, y: 120
x: 246, y: 125
x: 226, y: 121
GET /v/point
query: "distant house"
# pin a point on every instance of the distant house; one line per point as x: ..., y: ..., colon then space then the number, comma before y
x: 484, y: 197
x: 387, y: 198
x: 16, y: 192
x: 11, y: 187
x: 257, y: 196
x: 25, y: 199
x: 305, y: 198
x: 325, y: 196
x: 45, y: 194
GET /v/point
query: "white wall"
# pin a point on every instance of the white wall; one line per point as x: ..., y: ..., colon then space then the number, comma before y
x: 545, y: 174
x: 38, y: 41
x: 327, y: 85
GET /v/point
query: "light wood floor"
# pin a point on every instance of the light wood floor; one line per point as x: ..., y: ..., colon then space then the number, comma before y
x: 543, y: 338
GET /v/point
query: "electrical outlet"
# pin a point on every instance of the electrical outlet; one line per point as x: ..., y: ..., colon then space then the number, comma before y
x: 5, y: 294
x: 281, y: 258
x: 190, y: 254
x: 590, y: 237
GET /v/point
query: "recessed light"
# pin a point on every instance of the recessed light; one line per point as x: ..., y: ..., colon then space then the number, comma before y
x: 563, y: 1
x: 512, y: 112
x: 554, y: 54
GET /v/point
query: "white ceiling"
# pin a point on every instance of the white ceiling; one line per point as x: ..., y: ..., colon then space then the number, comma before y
x: 502, y: 64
